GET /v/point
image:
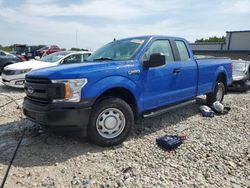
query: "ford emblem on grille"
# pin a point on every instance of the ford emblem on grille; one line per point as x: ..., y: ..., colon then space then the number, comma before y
x: 30, y: 90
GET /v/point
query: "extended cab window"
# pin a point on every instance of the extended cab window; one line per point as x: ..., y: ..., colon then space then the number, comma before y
x: 160, y: 46
x: 184, y: 55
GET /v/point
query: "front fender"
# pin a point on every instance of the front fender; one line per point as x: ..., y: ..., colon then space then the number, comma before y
x: 94, y: 90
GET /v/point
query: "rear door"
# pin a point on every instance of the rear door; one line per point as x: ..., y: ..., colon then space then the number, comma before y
x: 161, y: 84
x: 188, y: 75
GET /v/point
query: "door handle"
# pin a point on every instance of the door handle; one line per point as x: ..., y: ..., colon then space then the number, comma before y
x: 176, y: 71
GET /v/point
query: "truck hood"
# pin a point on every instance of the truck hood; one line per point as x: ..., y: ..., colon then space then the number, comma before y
x: 32, y: 64
x: 78, y: 70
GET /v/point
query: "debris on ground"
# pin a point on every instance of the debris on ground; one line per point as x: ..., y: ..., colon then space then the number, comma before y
x: 181, y: 128
x: 206, y: 111
x: 170, y: 142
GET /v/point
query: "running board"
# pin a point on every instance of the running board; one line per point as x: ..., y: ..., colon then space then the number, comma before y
x: 169, y: 108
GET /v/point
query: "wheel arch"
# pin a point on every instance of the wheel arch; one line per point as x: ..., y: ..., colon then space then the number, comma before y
x: 116, y: 86
x: 122, y: 93
x: 221, y: 76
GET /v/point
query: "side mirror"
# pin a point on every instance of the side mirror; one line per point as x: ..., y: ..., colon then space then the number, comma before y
x: 155, y: 60
x: 37, y: 58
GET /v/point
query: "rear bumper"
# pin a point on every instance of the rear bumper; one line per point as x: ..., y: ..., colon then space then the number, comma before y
x: 239, y: 85
x: 64, y: 116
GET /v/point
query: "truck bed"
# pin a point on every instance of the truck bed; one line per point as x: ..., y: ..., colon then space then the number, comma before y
x: 207, y: 69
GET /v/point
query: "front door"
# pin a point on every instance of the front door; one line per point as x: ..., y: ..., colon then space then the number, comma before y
x: 161, y: 84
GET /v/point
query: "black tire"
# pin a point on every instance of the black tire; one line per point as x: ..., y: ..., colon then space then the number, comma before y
x: 98, y: 111
x: 212, y: 97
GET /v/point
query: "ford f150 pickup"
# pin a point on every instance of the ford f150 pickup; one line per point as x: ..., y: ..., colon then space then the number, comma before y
x: 121, y: 82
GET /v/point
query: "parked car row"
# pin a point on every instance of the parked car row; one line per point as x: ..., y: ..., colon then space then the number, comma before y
x: 14, y: 75
x: 46, y: 50
x: 30, y: 52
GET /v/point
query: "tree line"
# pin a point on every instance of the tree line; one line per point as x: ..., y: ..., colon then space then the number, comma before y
x: 212, y: 39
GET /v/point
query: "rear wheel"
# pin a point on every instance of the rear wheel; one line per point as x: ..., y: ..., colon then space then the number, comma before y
x: 217, y: 94
x: 110, y: 122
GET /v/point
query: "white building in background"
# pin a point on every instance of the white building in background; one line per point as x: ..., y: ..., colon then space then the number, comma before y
x: 237, y: 46
x: 237, y: 40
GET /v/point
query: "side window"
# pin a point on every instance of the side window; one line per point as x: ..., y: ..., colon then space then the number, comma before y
x: 160, y: 46
x: 184, y: 55
x: 72, y: 59
x: 84, y: 56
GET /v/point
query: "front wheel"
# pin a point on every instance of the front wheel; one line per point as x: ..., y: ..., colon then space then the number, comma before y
x: 217, y: 94
x: 110, y: 122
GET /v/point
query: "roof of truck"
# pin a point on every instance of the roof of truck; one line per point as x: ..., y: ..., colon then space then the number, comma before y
x: 154, y: 36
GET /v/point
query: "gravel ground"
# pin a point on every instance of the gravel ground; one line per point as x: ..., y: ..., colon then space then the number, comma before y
x: 215, y: 154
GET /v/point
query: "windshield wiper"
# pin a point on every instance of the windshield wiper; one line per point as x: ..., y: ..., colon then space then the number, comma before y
x: 102, y: 59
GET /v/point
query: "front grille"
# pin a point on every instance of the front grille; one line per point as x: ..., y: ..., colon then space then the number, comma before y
x: 41, y: 90
x: 37, y: 80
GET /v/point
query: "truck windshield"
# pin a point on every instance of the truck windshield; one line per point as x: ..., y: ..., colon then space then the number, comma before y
x: 52, y: 58
x: 118, y: 50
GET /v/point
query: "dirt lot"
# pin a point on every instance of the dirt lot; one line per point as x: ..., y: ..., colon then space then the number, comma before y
x: 216, y: 153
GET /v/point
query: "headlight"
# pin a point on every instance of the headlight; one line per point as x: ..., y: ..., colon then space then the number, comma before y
x: 22, y: 71
x: 72, y: 89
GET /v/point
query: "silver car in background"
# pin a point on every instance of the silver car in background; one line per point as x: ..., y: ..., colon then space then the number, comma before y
x: 241, y: 75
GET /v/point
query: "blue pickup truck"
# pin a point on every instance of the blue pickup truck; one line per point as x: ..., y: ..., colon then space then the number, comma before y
x: 121, y: 82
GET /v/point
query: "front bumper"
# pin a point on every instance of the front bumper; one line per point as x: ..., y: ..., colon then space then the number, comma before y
x: 64, y: 116
x: 16, y: 81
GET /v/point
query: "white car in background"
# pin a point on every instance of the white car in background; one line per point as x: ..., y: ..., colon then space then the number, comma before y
x: 14, y: 75
x: 241, y: 75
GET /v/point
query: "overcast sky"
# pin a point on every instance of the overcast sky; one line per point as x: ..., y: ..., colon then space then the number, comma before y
x: 97, y: 22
